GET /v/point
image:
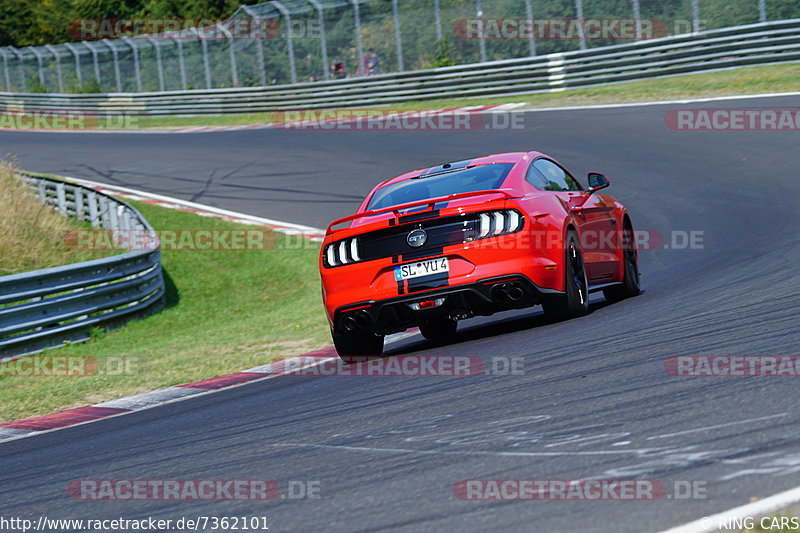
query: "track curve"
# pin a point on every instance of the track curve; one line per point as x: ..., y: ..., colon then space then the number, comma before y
x: 594, y: 400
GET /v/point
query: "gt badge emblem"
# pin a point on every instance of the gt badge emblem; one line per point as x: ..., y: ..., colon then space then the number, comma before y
x: 417, y: 238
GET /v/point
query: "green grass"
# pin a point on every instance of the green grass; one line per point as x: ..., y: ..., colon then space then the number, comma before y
x: 32, y: 234
x: 746, y: 80
x: 226, y: 311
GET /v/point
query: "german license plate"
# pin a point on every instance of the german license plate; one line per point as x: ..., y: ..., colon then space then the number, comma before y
x: 421, y: 268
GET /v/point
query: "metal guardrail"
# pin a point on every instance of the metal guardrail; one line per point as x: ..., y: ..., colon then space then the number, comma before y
x: 754, y: 44
x: 49, y: 307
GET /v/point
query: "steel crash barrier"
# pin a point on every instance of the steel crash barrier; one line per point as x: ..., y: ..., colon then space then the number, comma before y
x: 50, y: 307
x: 754, y: 44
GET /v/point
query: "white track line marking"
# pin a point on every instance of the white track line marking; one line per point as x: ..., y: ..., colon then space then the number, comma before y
x: 661, y: 102
x: 151, y: 398
x: 706, y: 428
x: 707, y: 524
x: 498, y: 107
x: 159, y: 397
x: 463, y: 452
x: 307, y: 230
x: 8, y: 434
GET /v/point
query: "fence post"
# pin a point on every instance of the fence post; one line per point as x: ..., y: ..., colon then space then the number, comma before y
x: 637, y: 13
x: 113, y: 215
x: 125, y: 221
x: 232, y: 54
x: 20, y: 68
x: 105, y: 212
x: 532, y: 40
x: 159, y: 65
x: 398, y: 41
x: 323, y: 40
x: 137, y: 73
x: 94, y: 217
x: 259, y: 50
x: 289, y: 43
x: 61, y: 199
x: 359, y: 46
x: 206, y: 65
x: 695, y: 16
x: 53, y: 51
x: 93, y: 50
x: 40, y: 66
x: 77, y: 56
x: 762, y: 10
x: 204, y: 48
x: 481, y: 40
x: 116, y: 63
x: 260, y: 59
x: 437, y: 19
x: 78, y: 193
x: 181, y: 64
x: 5, y: 69
x: 579, y: 16
x: 41, y: 191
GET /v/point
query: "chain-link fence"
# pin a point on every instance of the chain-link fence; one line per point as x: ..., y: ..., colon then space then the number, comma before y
x: 291, y: 41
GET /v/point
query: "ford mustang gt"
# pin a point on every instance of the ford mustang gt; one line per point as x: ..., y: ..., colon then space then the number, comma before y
x: 437, y: 245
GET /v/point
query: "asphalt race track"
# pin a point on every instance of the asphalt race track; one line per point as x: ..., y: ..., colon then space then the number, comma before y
x: 594, y: 400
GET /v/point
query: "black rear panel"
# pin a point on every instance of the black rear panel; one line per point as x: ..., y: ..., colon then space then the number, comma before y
x: 441, y: 232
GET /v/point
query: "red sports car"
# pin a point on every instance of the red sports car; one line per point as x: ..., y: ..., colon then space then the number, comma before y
x: 437, y: 245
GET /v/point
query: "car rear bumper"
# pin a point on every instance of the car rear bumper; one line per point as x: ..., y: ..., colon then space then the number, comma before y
x: 484, y: 297
x: 469, y: 263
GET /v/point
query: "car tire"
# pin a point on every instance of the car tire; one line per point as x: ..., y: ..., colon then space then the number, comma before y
x: 631, y: 277
x: 357, y: 346
x: 439, y: 329
x: 574, y: 301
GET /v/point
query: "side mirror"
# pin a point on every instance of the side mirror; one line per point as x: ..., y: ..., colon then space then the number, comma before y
x: 597, y: 181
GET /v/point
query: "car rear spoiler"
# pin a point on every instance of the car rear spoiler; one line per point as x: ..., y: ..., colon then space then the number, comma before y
x: 430, y: 202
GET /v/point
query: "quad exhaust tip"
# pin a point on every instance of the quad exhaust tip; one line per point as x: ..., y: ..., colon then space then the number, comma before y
x: 349, y: 323
x: 359, y: 319
x: 504, y: 293
x: 515, y: 292
x: 508, y: 293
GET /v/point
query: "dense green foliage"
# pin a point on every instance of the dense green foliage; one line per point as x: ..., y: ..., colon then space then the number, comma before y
x: 24, y: 23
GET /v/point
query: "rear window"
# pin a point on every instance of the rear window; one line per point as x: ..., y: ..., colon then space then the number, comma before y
x: 478, y: 178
